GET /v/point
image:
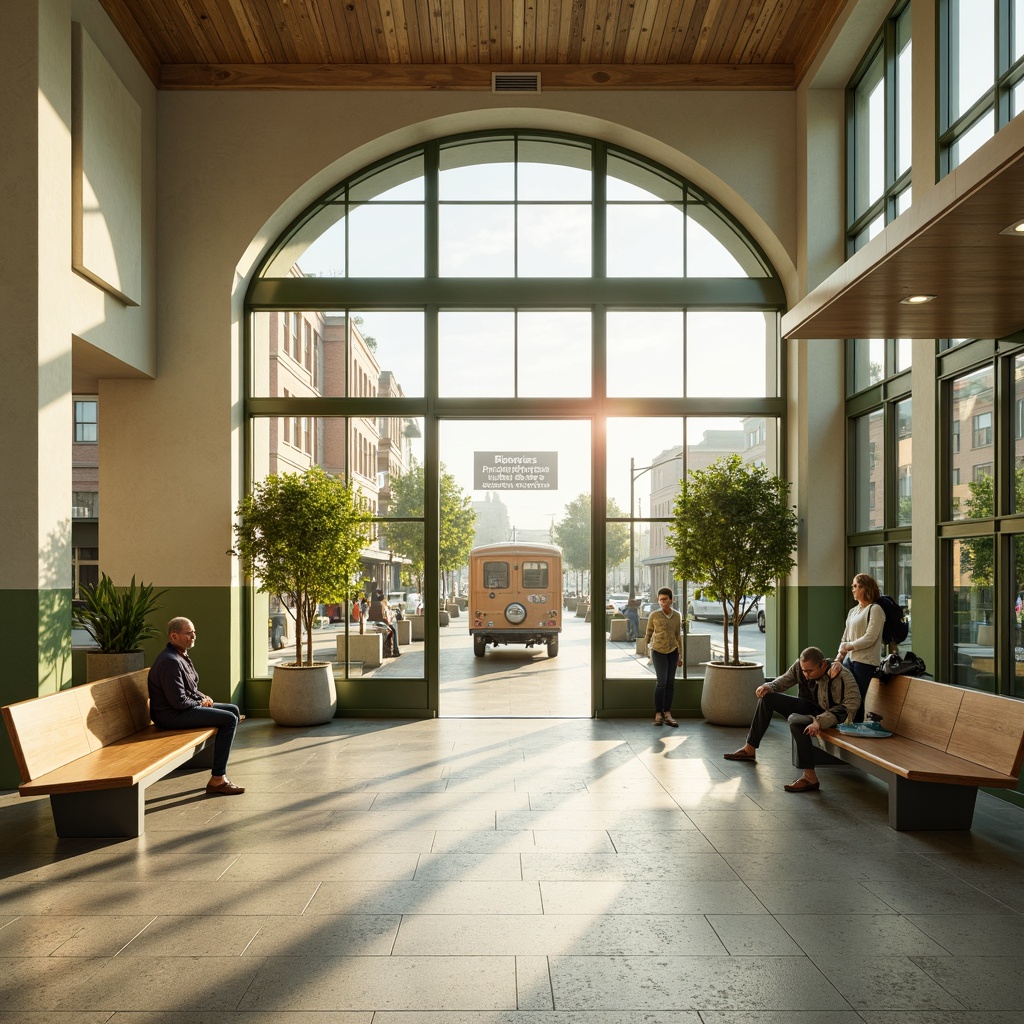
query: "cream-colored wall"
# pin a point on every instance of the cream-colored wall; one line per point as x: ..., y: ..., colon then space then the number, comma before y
x: 120, y: 339
x: 35, y: 203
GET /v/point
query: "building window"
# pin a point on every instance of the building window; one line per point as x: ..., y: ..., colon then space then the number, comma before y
x: 981, y: 430
x: 872, y: 360
x: 879, y: 132
x: 981, y: 73
x: 954, y: 441
x: 86, y: 421
x: 85, y: 505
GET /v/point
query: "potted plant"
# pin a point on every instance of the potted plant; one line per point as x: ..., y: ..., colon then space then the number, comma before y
x: 732, y: 530
x: 116, y: 619
x: 300, y: 536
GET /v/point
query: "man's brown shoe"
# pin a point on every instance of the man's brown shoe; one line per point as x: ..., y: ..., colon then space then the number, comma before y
x: 740, y: 755
x: 224, y: 788
x: 802, y: 786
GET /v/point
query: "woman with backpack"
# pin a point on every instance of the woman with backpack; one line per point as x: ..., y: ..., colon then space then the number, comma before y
x: 860, y: 648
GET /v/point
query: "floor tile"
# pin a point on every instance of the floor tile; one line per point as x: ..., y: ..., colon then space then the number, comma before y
x: 885, y: 983
x: 327, y: 935
x: 822, y: 933
x: 753, y: 935
x: 634, y: 897
x: 207, y: 935
x: 695, y: 982
x: 163, y: 983
x: 979, y: 982
x: 967, y: 935
x: 557, y: 934
x: 384, y: 983
x: 427, y: 897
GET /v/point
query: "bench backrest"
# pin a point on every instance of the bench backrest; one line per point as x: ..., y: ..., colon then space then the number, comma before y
x: 983, y: 728
x: 48, y: 732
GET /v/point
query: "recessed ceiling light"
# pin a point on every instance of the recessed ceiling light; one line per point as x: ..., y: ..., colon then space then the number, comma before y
x: 1017, y: 229
x: 916, y: 300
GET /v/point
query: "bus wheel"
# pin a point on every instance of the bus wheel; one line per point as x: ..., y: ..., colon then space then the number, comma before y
x: 553, y: 648
x: 479, y: 646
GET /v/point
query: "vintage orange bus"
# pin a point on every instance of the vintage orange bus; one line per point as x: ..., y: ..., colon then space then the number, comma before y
x: 515, y: 596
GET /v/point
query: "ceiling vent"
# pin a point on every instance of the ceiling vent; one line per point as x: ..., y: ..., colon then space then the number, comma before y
x: 515, y: 81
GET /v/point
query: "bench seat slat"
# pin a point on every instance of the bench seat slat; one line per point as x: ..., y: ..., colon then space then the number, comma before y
x: 124, y: 762
x: 919, y: 762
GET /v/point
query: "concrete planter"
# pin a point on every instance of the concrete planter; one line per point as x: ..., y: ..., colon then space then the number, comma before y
x: 416, y: 624
x: 367, y: 648
x: 443, y: 618
x: 728, y: 696
x: 303, y: 695
x: 100, y: 665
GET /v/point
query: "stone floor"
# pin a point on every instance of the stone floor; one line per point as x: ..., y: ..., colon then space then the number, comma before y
x: 512, y: 872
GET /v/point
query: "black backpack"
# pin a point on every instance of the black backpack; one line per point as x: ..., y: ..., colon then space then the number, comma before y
x: 896, y: 628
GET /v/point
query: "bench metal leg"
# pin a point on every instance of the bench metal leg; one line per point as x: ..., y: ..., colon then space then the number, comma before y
x: 929, y: 805
x: 99, y: 813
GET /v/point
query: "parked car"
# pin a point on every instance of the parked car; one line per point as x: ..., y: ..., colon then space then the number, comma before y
x: 703, y: 608
x: 618, y: 601
x: 407, y: 600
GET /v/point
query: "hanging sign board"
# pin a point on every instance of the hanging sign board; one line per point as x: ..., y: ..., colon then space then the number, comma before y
x: 515, y: 471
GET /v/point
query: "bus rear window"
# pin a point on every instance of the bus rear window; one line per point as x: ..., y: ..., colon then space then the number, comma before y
x: 535, y: 575
x: 496, y: 575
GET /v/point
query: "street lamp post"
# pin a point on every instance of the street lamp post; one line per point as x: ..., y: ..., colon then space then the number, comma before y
x: 634, y: 473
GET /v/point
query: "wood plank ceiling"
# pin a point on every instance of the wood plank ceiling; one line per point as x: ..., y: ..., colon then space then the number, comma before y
x: 457, y: 44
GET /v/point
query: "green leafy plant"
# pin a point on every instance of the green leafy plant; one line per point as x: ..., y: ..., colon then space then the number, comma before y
x: 116, y: 618
x: 301, y: 536
x: 733, y: 530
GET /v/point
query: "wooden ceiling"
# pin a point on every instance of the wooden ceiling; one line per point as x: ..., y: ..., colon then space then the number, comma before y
x: 457, y: 44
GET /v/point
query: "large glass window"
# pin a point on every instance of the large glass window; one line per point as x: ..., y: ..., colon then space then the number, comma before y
x: 983, y: 536
x: 506, y: 277
x: 879, y: 132
x: 982, y: 70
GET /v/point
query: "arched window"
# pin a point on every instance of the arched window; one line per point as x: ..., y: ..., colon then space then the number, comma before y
x: 507, y: 275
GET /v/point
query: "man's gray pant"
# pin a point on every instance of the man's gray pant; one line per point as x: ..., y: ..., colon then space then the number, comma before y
x: 799, y: 713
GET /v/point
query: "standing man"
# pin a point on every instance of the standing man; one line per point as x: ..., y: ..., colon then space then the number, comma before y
x: 822, y: 702
x: 176, y: 702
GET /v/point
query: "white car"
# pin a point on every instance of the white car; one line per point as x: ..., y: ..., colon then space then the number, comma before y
x: 704, y: 608
x: 619, y: 600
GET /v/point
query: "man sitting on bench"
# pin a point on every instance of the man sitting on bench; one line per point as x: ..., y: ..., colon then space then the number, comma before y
x: 380, y: 614
x: 176, y: 702
x: 822, y: 703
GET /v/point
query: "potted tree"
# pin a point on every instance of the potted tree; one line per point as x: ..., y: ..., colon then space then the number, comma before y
x: 116, y: 619
x: 300, y: 536
x: 733, y: 530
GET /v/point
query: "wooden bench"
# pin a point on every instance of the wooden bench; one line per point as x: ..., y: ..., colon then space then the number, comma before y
x: 93, y: 751
x: 946, y: 742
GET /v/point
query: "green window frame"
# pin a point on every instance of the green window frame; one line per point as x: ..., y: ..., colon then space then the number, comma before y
x: 981, y: 528
x: 878, y: 132
x: 981, y: 74
x: 624, y: 188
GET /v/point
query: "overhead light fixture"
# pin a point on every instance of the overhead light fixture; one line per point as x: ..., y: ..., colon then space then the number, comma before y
x: 1017, y: 229
x: 916, y: 300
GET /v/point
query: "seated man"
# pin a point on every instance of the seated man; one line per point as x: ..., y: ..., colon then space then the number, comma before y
x: 380, y: 611
x: 822, y: 703
x: 632, y: 620
x: 176, y: 702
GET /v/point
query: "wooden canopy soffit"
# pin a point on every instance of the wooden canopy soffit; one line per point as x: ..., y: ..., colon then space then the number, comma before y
x: 951, y: 244
x: 455, y: 44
